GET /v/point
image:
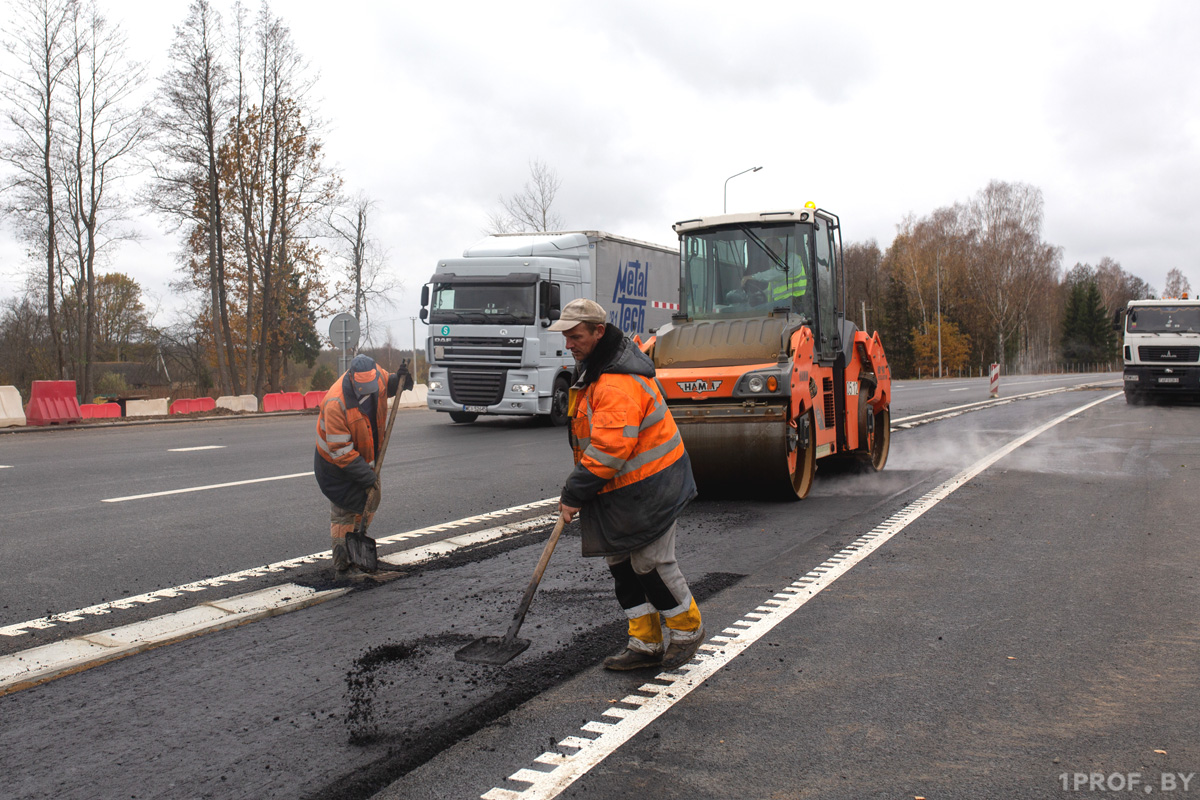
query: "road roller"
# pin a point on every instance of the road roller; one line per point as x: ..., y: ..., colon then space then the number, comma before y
x: 761, y: 368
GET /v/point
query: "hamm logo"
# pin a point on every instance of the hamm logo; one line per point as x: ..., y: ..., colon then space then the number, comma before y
x: 699, y: 387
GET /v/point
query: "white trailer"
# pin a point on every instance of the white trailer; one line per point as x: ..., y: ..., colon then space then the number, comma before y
x: 488, y: 349
x: 1161, y: 348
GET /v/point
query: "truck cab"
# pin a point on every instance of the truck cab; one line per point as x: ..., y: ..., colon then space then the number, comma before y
x: 1161, y: 348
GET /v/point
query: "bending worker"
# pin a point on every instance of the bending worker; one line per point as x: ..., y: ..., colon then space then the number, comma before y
x: 632, y: 478
x: 349, y: 427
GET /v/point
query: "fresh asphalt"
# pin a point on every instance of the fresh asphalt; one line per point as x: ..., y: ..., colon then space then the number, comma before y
x: 1037, y: 622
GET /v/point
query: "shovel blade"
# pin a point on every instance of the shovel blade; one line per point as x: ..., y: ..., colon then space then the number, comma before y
x: 362, y: 551
x: 494, y: 650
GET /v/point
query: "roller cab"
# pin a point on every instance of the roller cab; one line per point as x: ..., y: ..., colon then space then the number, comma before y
x: 761, y: 370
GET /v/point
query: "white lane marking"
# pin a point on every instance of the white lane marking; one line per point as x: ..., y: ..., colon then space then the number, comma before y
x: 963, y: 389
x: 206, y: 488
x: 622, y: 723
x: 194, y: 449
x: 53, y: 620
x: 5, y: 466
x: 41, y: 664
x: 913, y: 420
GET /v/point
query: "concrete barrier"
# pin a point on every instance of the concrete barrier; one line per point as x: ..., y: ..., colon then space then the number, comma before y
x: 52, y: 403
x: 147, y: 408
x: 100, y: 410
x: 12, y: 413
x: 240, y: 403
x: 415, y: 397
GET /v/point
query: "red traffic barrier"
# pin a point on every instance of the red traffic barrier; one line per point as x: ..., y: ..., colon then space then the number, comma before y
x: 283, y: 401
x: 100, y: 410
x: 313, y: 399
x: 192, y: 405
x: 52, y: 403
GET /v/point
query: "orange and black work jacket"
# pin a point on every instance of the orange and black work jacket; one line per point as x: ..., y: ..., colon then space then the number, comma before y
x: 632, y: 476
x: 348, y: 434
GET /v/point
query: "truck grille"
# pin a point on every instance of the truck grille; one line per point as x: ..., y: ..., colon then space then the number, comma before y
x: 482, y: 350
x: 1169, y: 355
x: 477, y: 387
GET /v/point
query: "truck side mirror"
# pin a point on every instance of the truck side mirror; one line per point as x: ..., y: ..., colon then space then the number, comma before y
x: 425, y: 315
x: 424, y: 296
x: 1117, y: 322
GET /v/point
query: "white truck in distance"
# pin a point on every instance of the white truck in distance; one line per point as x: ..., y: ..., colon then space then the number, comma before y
x: 488, y: 349
x: 1161, y: 348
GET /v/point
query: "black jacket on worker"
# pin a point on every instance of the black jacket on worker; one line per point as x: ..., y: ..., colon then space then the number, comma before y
x: 632, y: 475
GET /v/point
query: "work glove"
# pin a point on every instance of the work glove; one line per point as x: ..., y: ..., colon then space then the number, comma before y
x: 374, y: 494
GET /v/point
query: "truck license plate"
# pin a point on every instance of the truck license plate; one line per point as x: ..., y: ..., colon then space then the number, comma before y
x: 476, y: 409
x: 1168, y: 380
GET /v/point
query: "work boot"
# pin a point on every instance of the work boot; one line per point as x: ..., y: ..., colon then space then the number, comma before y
x: 341, y: 560
x: 631, y: 658
x: 680, y: 652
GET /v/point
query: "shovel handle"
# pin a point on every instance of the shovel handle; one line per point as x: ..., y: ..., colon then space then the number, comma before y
x: 519, y: 617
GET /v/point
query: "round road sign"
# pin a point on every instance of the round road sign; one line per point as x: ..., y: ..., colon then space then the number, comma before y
x: 343, y: 330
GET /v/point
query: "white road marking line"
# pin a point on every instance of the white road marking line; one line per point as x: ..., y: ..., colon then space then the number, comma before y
x: 398, y: 559
x: 206, y: 488
x: 40, y: 664
x: 5, y: 466
x: 963, y: 389
x: 194, y: 449
x: 671, y: 687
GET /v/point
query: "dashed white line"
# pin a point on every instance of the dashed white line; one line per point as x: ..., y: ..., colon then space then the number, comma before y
x: 206, y: 488
x: 52, y: 620
x: 194, y: 449
x: 621, y: 723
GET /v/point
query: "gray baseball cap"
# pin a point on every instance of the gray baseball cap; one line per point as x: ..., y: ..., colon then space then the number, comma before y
x: 364, y: 374
x: 577, y: 311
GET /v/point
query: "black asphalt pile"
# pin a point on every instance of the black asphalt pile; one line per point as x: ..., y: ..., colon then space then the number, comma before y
x: 413, y: 699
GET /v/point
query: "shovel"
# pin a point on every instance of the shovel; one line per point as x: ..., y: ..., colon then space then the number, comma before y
x: 497, y: 650
x: 359, y: 546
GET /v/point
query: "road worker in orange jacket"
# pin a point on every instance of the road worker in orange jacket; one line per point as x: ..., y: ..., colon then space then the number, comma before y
x: 351, y: 421
x: 632, y: 479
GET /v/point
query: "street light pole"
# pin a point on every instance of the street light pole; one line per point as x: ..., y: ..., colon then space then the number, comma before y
x: 725, y: 206
x: 937, y: 258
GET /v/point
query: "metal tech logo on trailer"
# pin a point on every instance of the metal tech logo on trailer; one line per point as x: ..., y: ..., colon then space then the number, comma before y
x: 699, y: 387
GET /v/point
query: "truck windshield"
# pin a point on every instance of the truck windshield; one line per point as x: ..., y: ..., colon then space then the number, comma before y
x: 483, y: 303
x: 1163, y: 319
x: 748, y: 271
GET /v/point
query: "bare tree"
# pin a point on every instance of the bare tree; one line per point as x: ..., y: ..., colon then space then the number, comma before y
x: 195, y: 104
x: 1176, y: 284
x: 530, y: 209
x: 38, y: 38
x: 362, y: 259
x: 1009, y: 264
x: 102, y: 131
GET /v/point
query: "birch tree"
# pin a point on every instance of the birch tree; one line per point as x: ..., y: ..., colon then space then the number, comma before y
x: 532, y: 208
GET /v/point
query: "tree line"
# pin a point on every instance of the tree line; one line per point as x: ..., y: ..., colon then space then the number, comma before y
x: 981, y: 273
x: 228, y: 155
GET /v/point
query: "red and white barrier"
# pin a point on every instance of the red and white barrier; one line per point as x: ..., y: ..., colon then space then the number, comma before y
x: 994, y: 386
x: 52, y: 403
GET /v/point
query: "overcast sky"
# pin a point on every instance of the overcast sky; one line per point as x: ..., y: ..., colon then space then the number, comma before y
x: 873, y: 110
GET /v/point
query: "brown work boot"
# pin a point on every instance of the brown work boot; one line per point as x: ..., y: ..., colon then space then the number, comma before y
x: 341, y: 560
x: 680, y: 652
x: 630, y: 658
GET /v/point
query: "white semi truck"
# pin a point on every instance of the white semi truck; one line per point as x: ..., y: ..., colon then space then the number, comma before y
x: 1161, y: 348
x: 488, y: 348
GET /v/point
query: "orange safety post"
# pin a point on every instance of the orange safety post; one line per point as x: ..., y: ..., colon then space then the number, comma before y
x: 313, y: 399
x: 52, y: 403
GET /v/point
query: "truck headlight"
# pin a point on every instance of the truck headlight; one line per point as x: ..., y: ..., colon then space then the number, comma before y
x: 523, y: 388
x: 435, y: 385
x: 755, y: 383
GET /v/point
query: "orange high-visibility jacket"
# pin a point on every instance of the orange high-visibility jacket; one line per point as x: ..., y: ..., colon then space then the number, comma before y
x: 346, y: 441
x: 632, y: 476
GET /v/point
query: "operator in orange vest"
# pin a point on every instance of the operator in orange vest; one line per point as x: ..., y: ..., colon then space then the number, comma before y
x: 351, y: 421
x: 632, y: 479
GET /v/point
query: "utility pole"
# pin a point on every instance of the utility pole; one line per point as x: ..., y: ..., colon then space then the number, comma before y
x: 937, y: 257
x: 413, y: 366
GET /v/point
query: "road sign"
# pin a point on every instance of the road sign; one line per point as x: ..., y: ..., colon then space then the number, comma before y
x: 344, y: 331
